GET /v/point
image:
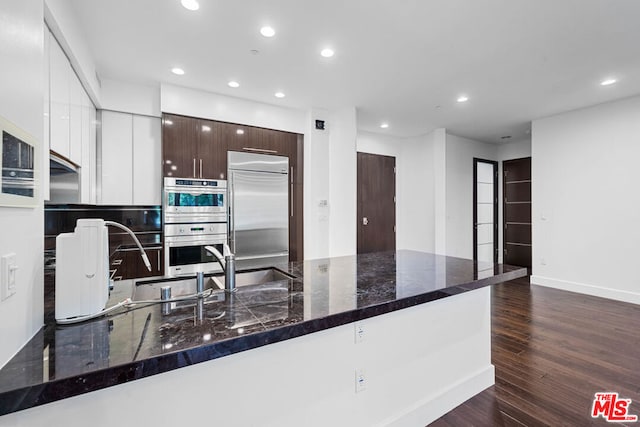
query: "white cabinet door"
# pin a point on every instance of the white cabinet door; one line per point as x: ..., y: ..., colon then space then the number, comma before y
x: 60, y: 70
x: 117, y: 159
x: 47, y: 98
x: 147, y: 176
x: 93, y: 179
x: 75, y: 118
x: 88, y: 170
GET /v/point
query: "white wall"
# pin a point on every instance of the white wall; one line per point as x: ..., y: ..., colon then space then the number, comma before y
x: 130, y: 98
x: 512, y: 150
x: 208, y: 105
x: 316, y: 187
x: 439, y: 142
x: 585, y: 200
x: 22, y: 230
x: 310, y: 380
x: 64, y: 24
x: 416, y: 179
x: 342, y: 182
x: 459, y: 189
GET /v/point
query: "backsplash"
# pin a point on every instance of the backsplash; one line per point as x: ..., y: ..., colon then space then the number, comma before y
x: 145, y: 221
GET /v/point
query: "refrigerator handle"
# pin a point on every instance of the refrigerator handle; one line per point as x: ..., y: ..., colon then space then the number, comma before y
x: 292, y: 204
x: 232, y: 225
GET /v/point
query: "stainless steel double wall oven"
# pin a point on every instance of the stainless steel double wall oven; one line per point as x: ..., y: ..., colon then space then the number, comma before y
x: 195, y: 215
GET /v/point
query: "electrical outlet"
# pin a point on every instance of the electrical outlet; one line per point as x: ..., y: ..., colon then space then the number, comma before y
x: 359, y: 333
x: 8, y: 270
x: 361, y: 381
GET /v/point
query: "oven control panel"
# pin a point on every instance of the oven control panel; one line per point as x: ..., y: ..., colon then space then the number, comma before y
x: 195, y: 229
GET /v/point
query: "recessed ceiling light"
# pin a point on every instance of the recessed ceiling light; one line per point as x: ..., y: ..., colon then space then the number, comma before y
x: 168, y: 122
x: 206, y: 128
x: 233, y: 83
x: 240, y: 132
x: 190, y: 4
x: 177, y: 71
x: 463, y: 98
x: 384, y: 125
x: 267, y: 31
x: 608, y: 82
x: 279, y: 95
x: 327, y: 53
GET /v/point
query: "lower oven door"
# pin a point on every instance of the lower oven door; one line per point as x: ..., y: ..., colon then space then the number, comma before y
x: 187, y: 255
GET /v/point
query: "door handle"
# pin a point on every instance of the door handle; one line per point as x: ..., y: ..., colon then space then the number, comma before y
x: 194, y: 167
x: 365, y: 221
x: 200, y: 168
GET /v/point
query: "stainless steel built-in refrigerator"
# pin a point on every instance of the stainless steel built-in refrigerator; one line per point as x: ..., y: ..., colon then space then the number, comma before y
x: 258, y: 186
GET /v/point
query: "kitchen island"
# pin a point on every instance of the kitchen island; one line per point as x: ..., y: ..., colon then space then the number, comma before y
x: 384, y: 338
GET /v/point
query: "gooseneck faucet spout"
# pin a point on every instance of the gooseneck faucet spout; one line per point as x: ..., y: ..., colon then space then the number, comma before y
x: 228, y: 264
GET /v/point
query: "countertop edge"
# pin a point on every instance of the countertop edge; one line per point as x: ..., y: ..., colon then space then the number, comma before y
x: 51, y: 391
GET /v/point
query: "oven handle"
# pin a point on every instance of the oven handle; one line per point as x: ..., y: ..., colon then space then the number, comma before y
x: 179, y: 243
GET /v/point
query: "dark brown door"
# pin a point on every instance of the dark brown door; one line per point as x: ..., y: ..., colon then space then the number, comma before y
x: 212, y: 150
x: 376, y: 203
x: 517, y: 212
x: 179, y: 146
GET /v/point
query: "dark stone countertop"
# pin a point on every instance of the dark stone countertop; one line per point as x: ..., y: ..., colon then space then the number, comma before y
x: 64, y: 361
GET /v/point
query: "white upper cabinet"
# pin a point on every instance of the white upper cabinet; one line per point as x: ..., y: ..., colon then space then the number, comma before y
x: 75, y: 119
x: 130, y: 159
x: 60, y: 74
x: 88, y: 136
x: 46, y: 109
x: 116, y: 156
x: 147, y: 158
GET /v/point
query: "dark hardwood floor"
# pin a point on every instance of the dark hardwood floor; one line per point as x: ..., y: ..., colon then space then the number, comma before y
x: 552, y: 351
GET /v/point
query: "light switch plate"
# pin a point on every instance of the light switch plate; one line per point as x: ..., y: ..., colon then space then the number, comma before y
x: 8, y: 270
x: 359, y: 333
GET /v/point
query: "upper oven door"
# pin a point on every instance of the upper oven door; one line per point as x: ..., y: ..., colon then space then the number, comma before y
x: 200, y: 198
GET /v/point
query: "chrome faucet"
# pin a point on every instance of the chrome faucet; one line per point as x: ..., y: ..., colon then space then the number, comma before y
x: 228, y: 264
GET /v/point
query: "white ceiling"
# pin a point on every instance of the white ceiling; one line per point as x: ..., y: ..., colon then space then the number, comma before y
x: 404, y: 62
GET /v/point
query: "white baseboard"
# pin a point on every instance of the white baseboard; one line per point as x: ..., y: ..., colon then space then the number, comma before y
x: 433, y: 407
x: 583, y: 288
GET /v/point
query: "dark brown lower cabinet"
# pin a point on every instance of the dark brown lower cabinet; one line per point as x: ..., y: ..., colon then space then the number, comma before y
x: 128, y: 263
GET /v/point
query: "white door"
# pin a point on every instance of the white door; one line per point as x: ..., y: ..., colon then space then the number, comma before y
x: 485, y: 218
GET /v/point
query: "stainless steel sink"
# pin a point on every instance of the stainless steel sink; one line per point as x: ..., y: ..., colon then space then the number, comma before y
x: 256, y: 277
x: 145, y: 291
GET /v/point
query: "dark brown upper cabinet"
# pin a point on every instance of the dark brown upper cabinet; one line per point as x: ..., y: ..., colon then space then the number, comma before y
x: 193, y: 148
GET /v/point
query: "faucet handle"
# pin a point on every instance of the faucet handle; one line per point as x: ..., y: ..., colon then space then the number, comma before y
x: 226, y: 250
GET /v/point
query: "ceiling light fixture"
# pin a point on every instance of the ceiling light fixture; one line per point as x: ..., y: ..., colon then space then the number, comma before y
x: 206, y: 128
x: 384, y: 125
x: 279, y: 95
x: 177, y: 71
x: 608, y: 82
x: 240, y: 132
x: 190, y: 4
x: 327, y: 53
x: 463, y: 98
x: 233, y: 84
x: 168, y: 122
x: 267, y: 31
